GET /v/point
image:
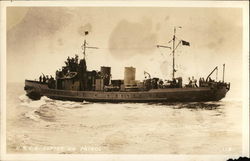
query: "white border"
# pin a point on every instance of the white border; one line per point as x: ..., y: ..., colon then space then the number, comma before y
x: 245, y: 119
x: 245, y: 84
x: 3, y: 80
x: 119, y: 3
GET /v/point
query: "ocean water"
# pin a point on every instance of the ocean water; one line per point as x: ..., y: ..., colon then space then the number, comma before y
x: 65, y: 127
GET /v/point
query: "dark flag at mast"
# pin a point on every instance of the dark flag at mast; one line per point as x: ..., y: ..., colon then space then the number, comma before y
x: 185, y: 43
x: 86, y: 33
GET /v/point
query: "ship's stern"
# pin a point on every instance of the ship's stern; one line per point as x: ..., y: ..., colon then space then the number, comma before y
x: 221, y: 92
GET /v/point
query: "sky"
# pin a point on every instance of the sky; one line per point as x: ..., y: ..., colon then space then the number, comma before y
x: 39, y: 40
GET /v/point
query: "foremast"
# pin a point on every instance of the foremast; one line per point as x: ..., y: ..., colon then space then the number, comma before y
x: 84, y: 45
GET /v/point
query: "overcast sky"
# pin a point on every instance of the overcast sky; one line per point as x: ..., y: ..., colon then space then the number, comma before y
x: 39, y: 39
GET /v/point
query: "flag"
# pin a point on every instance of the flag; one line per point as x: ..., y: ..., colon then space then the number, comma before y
x: 185, y: 43
x: 86, y: 32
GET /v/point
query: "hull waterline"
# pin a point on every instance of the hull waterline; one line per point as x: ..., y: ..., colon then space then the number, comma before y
x: 35, y: 90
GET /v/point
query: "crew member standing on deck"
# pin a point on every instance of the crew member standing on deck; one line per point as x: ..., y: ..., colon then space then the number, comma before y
x: 40, y: 78
x: 44, y: 79
x: 193, y: 82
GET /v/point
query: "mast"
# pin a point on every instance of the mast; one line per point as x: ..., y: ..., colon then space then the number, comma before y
x: 173, y: 52
x: 84, y: 48
x: 84, y: 45
x: 174, y: 48
x: 223, y: 72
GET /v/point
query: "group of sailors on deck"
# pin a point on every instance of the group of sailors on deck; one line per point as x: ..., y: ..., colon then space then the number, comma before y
x: 50, y: 81
x: 202, y: 82
x: 192, y: 82
x: 45, y: 79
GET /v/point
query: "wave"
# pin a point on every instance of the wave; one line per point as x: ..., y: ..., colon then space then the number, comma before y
x: 47, y: 109
x: 27, y: 102
x: 190, y: 105
x: 31, y: 115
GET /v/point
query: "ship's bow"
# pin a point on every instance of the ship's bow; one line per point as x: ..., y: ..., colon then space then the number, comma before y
x: 34, y: 89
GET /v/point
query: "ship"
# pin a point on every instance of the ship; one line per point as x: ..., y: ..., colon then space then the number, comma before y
x: 73, y: 82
